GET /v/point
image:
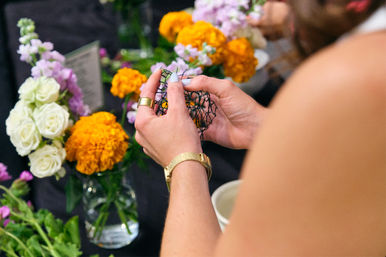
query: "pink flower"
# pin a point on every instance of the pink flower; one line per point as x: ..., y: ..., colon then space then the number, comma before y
x: 125, y: 65
x: 3, y: 173
x: 103, y: 52
x: 4, y: 212
x: 6, y: 221
x: 26, y: 176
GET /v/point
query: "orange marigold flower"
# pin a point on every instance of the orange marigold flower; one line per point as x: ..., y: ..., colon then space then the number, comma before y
x: 127, y: 81
x: 240, y: 62
x: 200, y: 32
x: 97, y: 142
x: 174, y: 22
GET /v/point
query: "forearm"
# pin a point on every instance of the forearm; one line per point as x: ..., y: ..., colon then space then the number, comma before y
x: 191, y: 227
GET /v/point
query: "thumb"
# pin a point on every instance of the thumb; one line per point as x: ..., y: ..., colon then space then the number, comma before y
x: 176, y: 97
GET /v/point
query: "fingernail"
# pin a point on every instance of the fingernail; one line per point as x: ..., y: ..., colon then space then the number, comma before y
x: 186, y: 81
x: 173, y: 77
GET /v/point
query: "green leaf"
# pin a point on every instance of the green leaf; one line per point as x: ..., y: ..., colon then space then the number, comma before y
x: 20, y: 230
x: 68, y: 250
x: 34, y: 246
x: 165, y: 44
x: 53, y: 226
x: 73, y: 193
x: 71, y: 231
x: 214, y: 71
x: 40, y: 215
x: 106, y: 78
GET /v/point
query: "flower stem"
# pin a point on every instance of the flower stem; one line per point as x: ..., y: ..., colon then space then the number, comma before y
x: 127, y: 98
x: 31, y: 221
x: 17, y: 240
x: 122, y: 217
x: 144, y: 44
x: 45, y: 238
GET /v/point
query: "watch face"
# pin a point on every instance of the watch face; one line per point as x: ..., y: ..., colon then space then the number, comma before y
x: 202, y: 109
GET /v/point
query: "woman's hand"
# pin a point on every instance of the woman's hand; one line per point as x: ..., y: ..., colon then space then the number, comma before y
x: 238, y: 115
x: 164, y: 137
x: 273, y: 20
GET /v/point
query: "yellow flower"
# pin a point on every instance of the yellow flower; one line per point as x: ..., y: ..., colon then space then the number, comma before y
x: 97, y: 142
x: 174, y: 22
x: 240, y: 62
x: 200, y: 32
x: 127, y: 81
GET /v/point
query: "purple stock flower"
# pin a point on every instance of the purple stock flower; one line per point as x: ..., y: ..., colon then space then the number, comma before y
x: 6, y: 221
x: 4, y: 212
x: 231, y: 19
x: 29, y: 203
x: 158, y: 66
x: 42, y: 47
x: 4, y: 173
x: 186, y: 52
x: 77, y: 106
x: 180, y: 67
x: 53, y: 56
x: 46, y: 68
x: 26, y: 176
x: 257, y: 12
x: 131, y: 115
x: 26, y: 52
x: 227, y: 15
x: 125, y: 65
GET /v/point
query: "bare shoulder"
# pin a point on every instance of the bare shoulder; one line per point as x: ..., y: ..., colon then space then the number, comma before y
x: 313, y: 181
x: 355, y: 66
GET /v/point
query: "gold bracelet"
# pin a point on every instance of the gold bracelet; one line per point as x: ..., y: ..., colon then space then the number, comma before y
x: 199, y: 157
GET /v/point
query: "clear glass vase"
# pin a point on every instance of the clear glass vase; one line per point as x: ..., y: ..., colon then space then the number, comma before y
x: 135, y: 30
x: 110, y: 206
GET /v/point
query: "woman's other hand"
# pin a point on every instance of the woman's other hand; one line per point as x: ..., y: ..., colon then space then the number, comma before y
x: 273, y: 21
x: 238, y: 115
x: 164, y: 137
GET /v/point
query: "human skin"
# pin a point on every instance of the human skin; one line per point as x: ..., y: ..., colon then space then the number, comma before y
x: 272, y: 23
x: 314, y: 178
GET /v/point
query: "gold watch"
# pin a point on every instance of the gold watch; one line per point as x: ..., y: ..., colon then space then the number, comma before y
x: 199, y: 157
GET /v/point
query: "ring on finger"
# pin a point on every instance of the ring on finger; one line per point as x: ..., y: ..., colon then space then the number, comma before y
x: 146, y: 101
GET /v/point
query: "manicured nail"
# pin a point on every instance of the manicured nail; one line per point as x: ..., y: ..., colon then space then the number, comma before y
x: 173, y: 77
x: 186, y: 81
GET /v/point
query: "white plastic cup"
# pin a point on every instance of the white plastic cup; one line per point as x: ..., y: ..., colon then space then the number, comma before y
x: 223, y: 199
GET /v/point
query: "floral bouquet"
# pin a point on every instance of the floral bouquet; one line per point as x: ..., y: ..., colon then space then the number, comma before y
x: 30, y: 233
x: 49, y: 123
x: 49, y: 102
x: 210, y: 41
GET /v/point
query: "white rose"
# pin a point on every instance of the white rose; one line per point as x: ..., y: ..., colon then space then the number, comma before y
x: 20, y: 112
x: 47, y: 160
x: 27, y: 90
x: 47, y: 90
x: 254, y: 36
x: 51, y: 120
x: 25, y: 137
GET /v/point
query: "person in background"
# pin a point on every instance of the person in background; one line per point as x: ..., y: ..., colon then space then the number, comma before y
x: 274, y: 20
x: 314, y: 177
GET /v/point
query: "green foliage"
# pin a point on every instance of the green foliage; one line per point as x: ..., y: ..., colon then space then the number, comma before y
x: 35, y: 234
x: 143, y: 65
x: 214, y: 71
x: 73, y: 193
x: 135, y: 155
